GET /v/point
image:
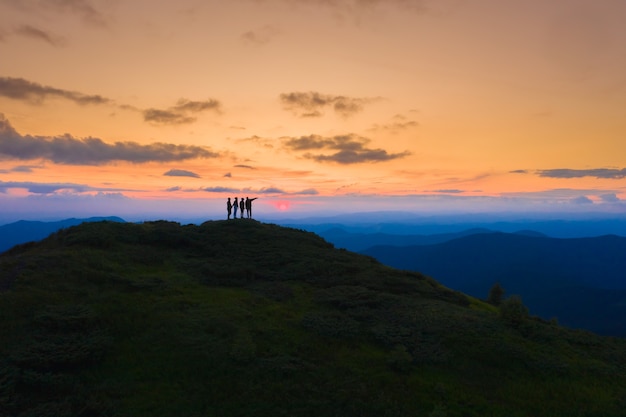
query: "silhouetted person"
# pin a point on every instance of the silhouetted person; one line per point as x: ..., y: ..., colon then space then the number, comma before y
x: 249, y: 206
x: 235, y: 206
x: 229, y: 207
x: 242, y: 206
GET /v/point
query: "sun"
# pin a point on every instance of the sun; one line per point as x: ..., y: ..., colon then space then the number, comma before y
x: 282, y: 205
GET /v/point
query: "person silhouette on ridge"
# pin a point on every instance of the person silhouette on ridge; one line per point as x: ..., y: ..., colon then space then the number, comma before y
x: 235, y: 207
x: 229, y: 207
x: 249, y: 206
x: 242, y: 206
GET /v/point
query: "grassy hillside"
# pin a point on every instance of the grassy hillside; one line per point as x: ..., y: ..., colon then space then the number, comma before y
x: 240, y: 318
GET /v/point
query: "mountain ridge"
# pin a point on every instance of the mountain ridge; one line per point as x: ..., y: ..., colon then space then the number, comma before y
x: 360, y: 241
x: 239, y: 318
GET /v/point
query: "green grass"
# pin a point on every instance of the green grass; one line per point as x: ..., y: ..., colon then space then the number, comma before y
x: 240, y: 318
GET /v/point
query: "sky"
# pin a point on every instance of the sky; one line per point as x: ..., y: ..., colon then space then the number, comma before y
x: 155, y: 108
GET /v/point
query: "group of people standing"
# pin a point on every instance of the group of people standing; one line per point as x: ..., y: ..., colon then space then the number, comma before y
x: 243, y: 205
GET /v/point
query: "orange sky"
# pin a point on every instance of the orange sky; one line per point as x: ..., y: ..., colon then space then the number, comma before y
x: 116, y: 107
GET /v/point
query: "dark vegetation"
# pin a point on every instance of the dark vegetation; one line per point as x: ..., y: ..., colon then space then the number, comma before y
x: 581, y: 282
x: 240, y: 318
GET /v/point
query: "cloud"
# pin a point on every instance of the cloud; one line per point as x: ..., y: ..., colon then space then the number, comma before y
x: 582, y: 200
x: 34, y: 93
x: 260, y: 36
x: 267, y: 190
x: 354, y: 6
x: 82, y: 8
x: 308, y: 191
x: 395, y: 127
x: 605, y: 173
x: 221, y: 190
x: 38, y: 34
x: 166, y: 117
x: 344, y: 149
x: 90, y: 151
x: 181, y: 173
x: 449, y: 191
x: 21, y: 89
x: 258, y: 140
x: 249, y: 191
x: 519, y: 171
x: 45, y: 188
x: 19, y: 168
x: 556, y: 194
x: 311, y: 104
x: 245, y: 166
x: 270, y: 190
x: 41, y: 9
x: 184, y: 105
x: 180, y: 113
x: 610, y: 198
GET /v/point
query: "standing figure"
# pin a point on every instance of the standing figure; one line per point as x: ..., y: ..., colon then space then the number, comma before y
x: 235, y: 206
x: 242, y: 206
x: 249, y: 206
x: 229, y: 207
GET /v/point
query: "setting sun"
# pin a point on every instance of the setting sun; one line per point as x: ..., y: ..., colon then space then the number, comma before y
x: 282, y: 205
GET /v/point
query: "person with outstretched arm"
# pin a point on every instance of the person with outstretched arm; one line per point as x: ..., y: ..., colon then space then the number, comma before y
x: 249, y: 206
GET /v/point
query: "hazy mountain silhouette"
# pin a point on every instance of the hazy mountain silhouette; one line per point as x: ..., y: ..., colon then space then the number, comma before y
x: 582, y: 282
x: 361, y: 241
x: 240, y: 318
x: 394, y: 223
x: 30, y: 231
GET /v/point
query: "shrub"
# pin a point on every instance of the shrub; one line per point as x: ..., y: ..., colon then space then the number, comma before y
x: 513, y: 310
x: 330, y: 324
x: 400, y: 359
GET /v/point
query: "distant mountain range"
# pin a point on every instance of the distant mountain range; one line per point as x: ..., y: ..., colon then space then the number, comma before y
x: 31, y: 231
x: 581, y: 282
x: 360, y: 241
x: 403, y: 224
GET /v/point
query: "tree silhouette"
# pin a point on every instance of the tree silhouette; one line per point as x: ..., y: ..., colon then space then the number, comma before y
x: 496, y: 294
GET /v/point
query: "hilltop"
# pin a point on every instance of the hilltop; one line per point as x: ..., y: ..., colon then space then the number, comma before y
x: 241, y: 318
